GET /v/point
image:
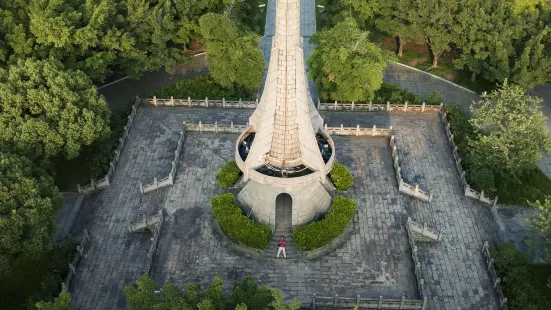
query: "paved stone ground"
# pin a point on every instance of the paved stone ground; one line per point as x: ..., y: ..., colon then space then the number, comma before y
x: 374, y: 260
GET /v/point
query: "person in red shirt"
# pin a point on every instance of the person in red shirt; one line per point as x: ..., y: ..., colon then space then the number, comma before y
x: 281, y: 245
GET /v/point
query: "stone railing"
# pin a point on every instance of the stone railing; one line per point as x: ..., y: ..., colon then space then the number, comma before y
x: 421, y: 233
x: 152, y: 224
x: 105, y: 181
x: 325, y: 302
x: 231, y: 128
x: 496, y: 281
x: 371, y: 107
x: 404, y: 187
x: 169, y: 180
x: 468, y: 191
x: 202, y: 103
x: 416, y: 264
x: 74, y: 264
x: 322, y: 106
x: 357, y: 131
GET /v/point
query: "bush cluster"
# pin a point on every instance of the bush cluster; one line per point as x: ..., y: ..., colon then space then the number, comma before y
x: 341, y: 177
x: 228, y: 175
x: 318, y: 234
x: 518, y: 280
x: 236, y: 225
x: 395, y: 95
x: 474, y: 161
x: 201, y: 87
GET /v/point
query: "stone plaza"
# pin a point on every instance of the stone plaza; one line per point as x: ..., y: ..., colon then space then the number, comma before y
x: 373, y: 260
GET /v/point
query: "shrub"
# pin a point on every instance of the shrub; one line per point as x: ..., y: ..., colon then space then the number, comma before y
x: 395, y: 95
x: 228, y: 175
x: 201, y: 87
x: 321, y: 233
x: 433, y: 98
x: 341, y: 177
x: 237, y: 226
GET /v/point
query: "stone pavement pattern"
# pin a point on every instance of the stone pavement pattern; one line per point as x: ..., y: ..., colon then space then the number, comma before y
x: 373, y: 260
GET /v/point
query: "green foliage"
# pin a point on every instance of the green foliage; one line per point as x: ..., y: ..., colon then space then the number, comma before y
x: 36, y: 278
x: 233, y: 56
x: 228, y: 175
x: 344, y: 65
x: 433, y: 98
x: 249, y: 16
x: 511, y: 130
x: 28, y: 200
x: 341, y: 177
x: 237, y: 226
x: 318, y: 234
x: 246, y: 294
x: 46, y: 110
x: 541, y: 227
x: 517, y: 278
x: 60, y: 303
x: 201, y: 87
x: 395, y: 95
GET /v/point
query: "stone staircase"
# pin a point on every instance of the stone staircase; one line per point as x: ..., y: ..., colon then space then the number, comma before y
x: 284, y: 227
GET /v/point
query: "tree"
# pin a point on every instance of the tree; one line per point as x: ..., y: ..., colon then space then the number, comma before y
x: 60, y: 303
x: 511, y: 130
x: 233, y: 56
x: 541, y: 227
x: 344, y: 65
x: 143, y: 297
x: 28, y: 200
x: 248, y: 292
x: 46, y: 110
x: 278, y: 303
x: 392, y: 19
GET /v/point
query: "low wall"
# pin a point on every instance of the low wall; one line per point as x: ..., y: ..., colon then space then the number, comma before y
x: 104, y: 182
x: 169, y: 180
x: 404, y: 187
x: 467, y: 190
x: 416, y: 264
x: 73, y: 266
x: 421, y: 233
x: 325, y: 302
x: 357, y: 131
x: 493, y: 275
x: 322, y: 106
x: 152, y: 224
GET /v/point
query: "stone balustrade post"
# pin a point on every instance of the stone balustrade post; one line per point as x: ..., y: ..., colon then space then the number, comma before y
x: 423, y: 107
x: 336, y: 300
x: 342, y: 129
x: 481, y: 195
x: 402, y: 301
x: 490, y: 262
x: 79, y: 189
x: 216, y: 126
x: 370, y: 106
x: 93, y: 184
x: 72, y: 268
x: 495, y: 202
x: 223, y: 102
x: 430, y: 196
x: 172, y: 100
x: 380, y: 305
x: 141, y: 188
x: 319, y: 103
x: 325, y: 128
x: 388, y: 106
x: 189, y: 101
x: 335, y: 106
x: 358, y: 300
x: 357, y: 130
x: 425, y: 226
x: 206, y: 102
x: 496, y: 282
x: 406, y: 106
x: 79, y: 250
x: 352, y: 106
x: 154, y: 100
x: 314, y: 301
x: 231, y: 127
x: 416, y: 190
x: 256, y: 101
x: 200, y: 127
x: 240, y: 103
x: 155, y: 182
x: 373, y: 130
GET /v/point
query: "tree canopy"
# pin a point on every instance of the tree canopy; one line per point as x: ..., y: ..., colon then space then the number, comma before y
x: 59, y: 303
x: 511, y: 129
x: 345, y: 65
x: 28, y: 200
x: 233, y: 55
x: 541, y: 227
x: 46, y: 110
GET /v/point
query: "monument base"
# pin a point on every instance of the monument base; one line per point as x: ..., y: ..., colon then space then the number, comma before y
x: 307, y: 201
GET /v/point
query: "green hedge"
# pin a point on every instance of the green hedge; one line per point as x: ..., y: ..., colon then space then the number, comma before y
x: 395, y: 95
x: 201, y: 87
x: 237, y: 226
x: 228, y: 175
x: 318, y: 234
x: 341, y: 177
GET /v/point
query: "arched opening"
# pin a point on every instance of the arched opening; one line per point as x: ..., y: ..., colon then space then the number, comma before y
x: 284, y: 215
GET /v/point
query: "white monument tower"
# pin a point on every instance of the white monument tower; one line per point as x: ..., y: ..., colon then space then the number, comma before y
x: 284, y: 149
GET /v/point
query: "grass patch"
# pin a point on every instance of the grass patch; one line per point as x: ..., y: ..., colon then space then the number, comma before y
x: 228, y: 175
x: 32, y: 280
x: 236, y: 225
x: 532, y: 186
x: 321, y: 233
x: 201, y: 87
